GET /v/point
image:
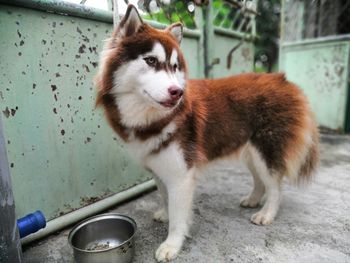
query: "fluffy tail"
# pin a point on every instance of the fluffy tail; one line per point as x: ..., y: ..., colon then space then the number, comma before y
x: 308, y: 168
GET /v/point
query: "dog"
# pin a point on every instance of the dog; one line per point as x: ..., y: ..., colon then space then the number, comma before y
x: 176, y: 127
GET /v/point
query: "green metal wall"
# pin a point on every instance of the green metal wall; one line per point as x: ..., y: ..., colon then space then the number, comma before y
x: 321, y: 68
x: 61, y: 151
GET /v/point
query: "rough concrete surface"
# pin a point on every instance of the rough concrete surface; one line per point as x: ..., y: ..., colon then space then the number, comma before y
x: 313, y: 224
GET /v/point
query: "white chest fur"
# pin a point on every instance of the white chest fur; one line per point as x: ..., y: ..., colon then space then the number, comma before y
x: 141, y: 149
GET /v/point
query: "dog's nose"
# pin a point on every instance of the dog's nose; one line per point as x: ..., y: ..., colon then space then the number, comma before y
x: 175, y: 92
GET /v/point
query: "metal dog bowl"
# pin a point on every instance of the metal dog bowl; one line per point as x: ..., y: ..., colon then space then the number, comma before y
x: 107, y: 238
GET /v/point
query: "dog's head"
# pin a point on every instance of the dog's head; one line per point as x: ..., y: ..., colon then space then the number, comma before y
x: 144, y: 64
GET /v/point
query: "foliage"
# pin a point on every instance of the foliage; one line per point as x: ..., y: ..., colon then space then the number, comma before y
x: 175, y: 11
x: 267, y: 26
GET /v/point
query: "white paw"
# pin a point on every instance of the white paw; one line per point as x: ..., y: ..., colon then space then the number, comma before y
x: 161, y: 216
x: 249, y: 202
x: 167, y: 252
x: 262, y: 218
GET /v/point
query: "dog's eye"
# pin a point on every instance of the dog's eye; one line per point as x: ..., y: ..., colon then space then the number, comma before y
x: 151, y: 61
x: 175, y: 67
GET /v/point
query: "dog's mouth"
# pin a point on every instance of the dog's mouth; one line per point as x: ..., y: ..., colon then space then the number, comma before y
x: 167, y: 103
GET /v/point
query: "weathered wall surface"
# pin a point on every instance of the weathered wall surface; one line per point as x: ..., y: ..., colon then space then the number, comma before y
x: 62, y: 153
x: 321, y: 68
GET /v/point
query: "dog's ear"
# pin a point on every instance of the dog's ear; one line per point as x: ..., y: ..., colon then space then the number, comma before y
x: 176, y: 30
x: 130, y: 23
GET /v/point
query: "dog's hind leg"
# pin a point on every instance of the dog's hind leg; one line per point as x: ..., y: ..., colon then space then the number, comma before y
x: 161, y: 215
x: 273, y: 184
x: 254, y: 198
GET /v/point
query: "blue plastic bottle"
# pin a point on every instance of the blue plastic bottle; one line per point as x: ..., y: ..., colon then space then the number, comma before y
x: 31, y: 223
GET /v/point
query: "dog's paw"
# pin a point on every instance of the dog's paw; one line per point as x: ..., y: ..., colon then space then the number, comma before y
x: 261, y: 218
x: 249, y: 202
x: 167, y: 252
x: 161, y: 216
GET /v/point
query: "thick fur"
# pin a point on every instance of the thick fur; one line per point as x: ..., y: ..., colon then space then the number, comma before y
x: 262, y: 119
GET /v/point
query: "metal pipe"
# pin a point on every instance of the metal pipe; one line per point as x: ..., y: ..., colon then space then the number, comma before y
x: 319, y: 40
x: 77, y: 215
x: 65, y: 8
x: 235, y: 34
x: 10, y: 246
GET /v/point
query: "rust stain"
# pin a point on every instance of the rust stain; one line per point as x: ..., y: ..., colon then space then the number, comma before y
x: 89, y: 200
x: 86, y: 68
x: 6, y: 112
x: 82, y: 49
x: 13, y: 111
x: 79, y: 31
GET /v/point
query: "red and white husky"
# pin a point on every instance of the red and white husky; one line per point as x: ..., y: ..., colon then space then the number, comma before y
x: 175, y: 127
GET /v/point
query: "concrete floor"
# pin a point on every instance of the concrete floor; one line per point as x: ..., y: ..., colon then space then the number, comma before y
x: 313, y: 224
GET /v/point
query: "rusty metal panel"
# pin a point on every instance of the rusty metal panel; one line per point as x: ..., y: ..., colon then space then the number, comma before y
x: 321, y: 68
x: 62, y: 153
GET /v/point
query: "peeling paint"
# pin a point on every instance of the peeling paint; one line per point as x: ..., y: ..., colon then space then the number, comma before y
x: 6, y: 112
x: 86, y: 68
x: 82, y: 49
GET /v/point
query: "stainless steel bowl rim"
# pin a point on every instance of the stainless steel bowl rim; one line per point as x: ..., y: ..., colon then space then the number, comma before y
x: 98, y: 218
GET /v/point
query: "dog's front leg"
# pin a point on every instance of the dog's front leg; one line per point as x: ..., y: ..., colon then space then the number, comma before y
x: 180, y: 190
x: 161, y: 215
